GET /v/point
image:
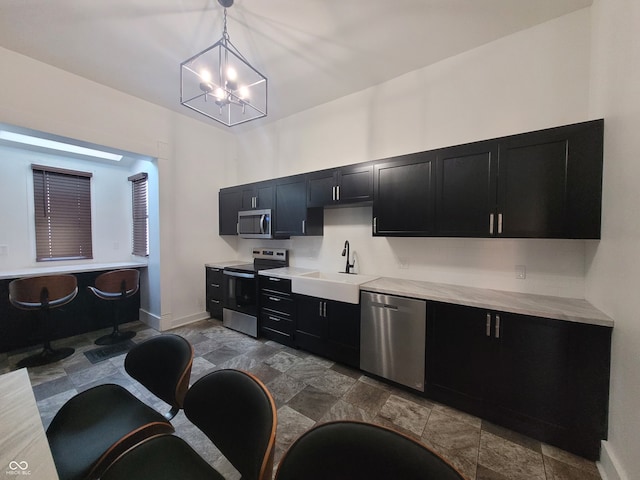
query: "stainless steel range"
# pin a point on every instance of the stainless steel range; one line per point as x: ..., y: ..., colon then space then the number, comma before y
x: 240, y: 289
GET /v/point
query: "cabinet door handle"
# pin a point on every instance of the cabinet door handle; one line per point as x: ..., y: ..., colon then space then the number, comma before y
x: 499, y: 223
x: 215, y: 285
x: 238, y: 228
x: 319, y: 309
x: 304, y: 226
x: 375, y: 224
x: 488, y: 327
x: 338, y: 192
x: 497, y: 326
x: 324, y: 310
x: 215, y: 301
x: 333, y: 193
x: 491, y: 224
x: 274, y: 299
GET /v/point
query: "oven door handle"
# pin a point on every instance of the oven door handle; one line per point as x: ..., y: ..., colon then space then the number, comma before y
x: 238, y: 274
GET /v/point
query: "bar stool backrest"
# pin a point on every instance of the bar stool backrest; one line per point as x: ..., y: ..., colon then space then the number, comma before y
x: 33, y: 293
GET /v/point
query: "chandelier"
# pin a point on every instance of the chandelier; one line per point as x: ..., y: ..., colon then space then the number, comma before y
x: 221, y: 84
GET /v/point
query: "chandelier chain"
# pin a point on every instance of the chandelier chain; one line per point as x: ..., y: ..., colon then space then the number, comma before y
x: 225, y: 34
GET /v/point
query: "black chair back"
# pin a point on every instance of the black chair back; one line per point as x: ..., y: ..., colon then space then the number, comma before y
x: 163, y: 365
x: 236, y: 411
x: 349, y: 450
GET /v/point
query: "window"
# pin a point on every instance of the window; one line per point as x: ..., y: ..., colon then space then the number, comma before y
x: 140, y: 208
x: 62, y: 208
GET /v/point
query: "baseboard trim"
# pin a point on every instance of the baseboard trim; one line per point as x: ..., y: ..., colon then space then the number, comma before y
x: 196, y: 317
x: 609, y: 466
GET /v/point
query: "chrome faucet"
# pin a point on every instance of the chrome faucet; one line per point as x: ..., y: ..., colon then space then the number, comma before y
x: 345, y: 251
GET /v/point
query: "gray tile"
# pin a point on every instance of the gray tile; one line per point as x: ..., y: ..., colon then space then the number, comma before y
x: 284, y: 388
x: 312, y: 402
x: 580, y: 463
x: 367, y: 397
x: 512, y: 460
x: 52, y: 387
x: 406, y: 414
x: 291, y: 424
x: 512, y: 436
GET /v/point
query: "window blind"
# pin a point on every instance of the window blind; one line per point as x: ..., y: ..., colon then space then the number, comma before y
x: 140, y: 209
x: 62, y: 208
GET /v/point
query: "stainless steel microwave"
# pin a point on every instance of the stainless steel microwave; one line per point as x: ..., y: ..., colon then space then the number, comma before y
x: 254, y: 223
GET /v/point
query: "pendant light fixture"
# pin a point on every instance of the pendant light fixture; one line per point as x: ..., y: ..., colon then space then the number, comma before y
x: 221, y: 84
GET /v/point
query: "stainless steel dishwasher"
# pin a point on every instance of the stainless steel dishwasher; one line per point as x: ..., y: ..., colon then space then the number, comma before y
x: 393, y: 338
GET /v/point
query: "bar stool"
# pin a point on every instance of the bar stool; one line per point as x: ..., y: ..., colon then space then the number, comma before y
x: 41, y: 294
x: 117, y: 285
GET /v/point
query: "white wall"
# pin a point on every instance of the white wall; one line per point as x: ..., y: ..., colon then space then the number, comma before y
x: 612, y: 278
x: 533, y: 79
x: 110, y: 208
x: 189, y: 172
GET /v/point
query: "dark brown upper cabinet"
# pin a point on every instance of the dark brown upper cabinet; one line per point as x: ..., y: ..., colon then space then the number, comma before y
x: 229, y: 202
x: 258, y: 195
x: 550, y: 183
x: 341, y: 186
x: 404, y: 196
x: 466, y: 190
x: 292, y: 217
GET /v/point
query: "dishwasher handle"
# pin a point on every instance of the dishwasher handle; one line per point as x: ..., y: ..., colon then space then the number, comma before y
x: 386, y: 306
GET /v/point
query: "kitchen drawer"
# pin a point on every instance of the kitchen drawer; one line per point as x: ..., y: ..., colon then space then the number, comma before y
x: 276, y: 328
x: 276, y: 322
x: 277, y: 303
x: 214, y: 293
x: 215, y: 307
x: 214, y: 283
x: 275, y: 284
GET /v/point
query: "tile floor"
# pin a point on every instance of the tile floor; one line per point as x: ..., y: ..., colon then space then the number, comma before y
x: 308, y: 390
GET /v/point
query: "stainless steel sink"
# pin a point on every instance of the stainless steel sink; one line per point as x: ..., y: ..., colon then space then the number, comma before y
x: 342, y: 287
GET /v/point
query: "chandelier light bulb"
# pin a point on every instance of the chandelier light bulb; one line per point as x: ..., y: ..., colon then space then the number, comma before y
x: 243, y: 93
x: 219, y: 93
x: 205, y: 75
x: 232, y: 75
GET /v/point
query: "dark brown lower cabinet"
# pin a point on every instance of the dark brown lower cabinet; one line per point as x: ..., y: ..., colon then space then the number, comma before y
x: 329, y: 328
x: 214, y: 295
x: 546, y: 378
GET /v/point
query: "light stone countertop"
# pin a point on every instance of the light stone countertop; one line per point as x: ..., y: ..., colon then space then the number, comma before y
x: 286, y: 272
x: 229, y: 263
x: 52, y: 268
x: 558, y: 308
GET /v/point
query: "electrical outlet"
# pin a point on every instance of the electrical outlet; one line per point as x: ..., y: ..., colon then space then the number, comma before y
x: 521, y: 272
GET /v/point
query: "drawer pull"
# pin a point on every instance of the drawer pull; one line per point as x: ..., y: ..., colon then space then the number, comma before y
x: 274, y: 279
x: 497, y: 326
x: 215, y: 301
x: 488, y: 328
x: 275, y: 319
x: 215, y: 285
x: 274, y: 299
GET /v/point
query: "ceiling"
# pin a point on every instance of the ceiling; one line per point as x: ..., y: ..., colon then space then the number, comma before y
x: 312, y: 51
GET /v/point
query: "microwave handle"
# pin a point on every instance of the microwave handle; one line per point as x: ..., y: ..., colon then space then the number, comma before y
x: 262, y: 226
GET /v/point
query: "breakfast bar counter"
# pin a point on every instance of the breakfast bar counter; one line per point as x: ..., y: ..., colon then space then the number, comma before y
x: 24, y: 450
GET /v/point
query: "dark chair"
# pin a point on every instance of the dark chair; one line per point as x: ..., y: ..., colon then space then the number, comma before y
x: 94, y: 427
x: 235, y: 411
x: 42, y: 294
x: 116, y: 286
x: 349, y: 450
